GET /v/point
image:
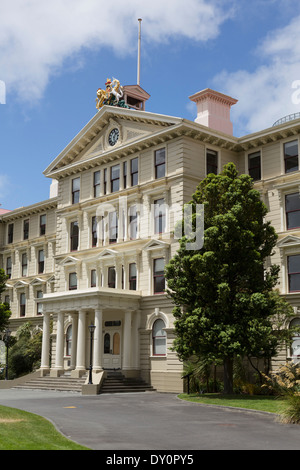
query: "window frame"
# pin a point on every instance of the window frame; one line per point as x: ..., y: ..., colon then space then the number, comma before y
x: 156, y: 276
x: 132, y: 279
x: 43, y: 225
x: 134, y: 173
x: 10, y: 233
x: 22, y: 304
x: 97, y: 183
x: 24, y: 265
x: 75, y: 191
x: 294, y: 273
x: 115, y: 180
x: 158, y: 165
x: 210, y: 151
x: 26, y: 229
x: 73, y: 285
x: 286, y: 157
x: 160, y: 217
x: 74, y: 236
x: 111, y: 283
x: 291, y: 211
x: 41, y: 262
x: 254, y: 155
x: 155, y: 337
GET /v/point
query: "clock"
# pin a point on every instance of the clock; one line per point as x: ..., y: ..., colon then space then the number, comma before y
x: 113, y: 137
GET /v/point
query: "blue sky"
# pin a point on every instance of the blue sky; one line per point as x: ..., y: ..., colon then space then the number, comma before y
x: 55, y: 55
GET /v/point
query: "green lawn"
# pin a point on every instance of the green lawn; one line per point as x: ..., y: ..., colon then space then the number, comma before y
x: 258, y: 402
x: 20, y: 430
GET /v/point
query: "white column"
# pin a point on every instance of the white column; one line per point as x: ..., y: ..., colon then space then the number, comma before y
x: 97, y: 351
x: 59, y: 358
x: 127, y: 342
x: 46, y: 341
x: 74, y: 340
x: 136, y: 339
x: 81, y: 339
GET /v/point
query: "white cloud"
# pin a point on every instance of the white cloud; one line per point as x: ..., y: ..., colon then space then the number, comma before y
x: 266, y: 94
x: 37, y: 36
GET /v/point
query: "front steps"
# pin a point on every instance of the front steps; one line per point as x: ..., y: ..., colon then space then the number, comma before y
x: 115, y: 382
x: 64, y: 383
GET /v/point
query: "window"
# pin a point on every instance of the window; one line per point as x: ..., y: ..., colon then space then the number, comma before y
x: 158, y: 276
x: 7, y: 299
x: 113, y: 227
x: 94, y: 231
x: 291, y: 156
x: 39, y: 306
x: 10, y: 233
x: 26, y: 229
x: 22, y: 305
x: 124, y: 175
x: 133, y: 225
x: 93, y: 278
x: 105, y: 181
x: 134, y: 171
x: 97, y: 184
x: 111, y: 277
x: 24, y: 264
x: 8, y: 267
x: 159, y: 216
x: 254, y: 166
x: 75, y: 190
x: 69, y: 340
x: 211, y: 162
x: 42, y: 224
x: 160, y: 163
x: 72, y: 281
x: 41, y: 261
x: 132, y: 276
x: 74, y: 236
x: 159, y: 338
x: 295, y: 347
x: 294, y: 273
x: 292, y: 210
x: 115, y: 178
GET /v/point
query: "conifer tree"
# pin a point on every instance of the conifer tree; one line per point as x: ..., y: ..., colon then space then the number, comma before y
x: 225, y: 302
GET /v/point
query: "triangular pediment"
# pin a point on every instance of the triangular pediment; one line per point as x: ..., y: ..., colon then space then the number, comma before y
x: 69, y: 260
x: 155, y: 245
x: 21, y: 284
x: 107, y: 253
x: 37, y: 282
x: 92, y: 145
x: 289, y: 240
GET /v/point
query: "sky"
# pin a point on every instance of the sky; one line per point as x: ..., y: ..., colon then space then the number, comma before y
x: 55, y: 55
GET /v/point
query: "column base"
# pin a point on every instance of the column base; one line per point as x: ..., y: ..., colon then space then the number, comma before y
x: 78, y: 373
x: 56, y: 372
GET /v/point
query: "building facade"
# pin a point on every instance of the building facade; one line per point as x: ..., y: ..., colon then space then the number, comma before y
x: 95, y: 251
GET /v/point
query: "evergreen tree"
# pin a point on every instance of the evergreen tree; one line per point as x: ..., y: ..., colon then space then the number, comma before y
x: 224, y: 295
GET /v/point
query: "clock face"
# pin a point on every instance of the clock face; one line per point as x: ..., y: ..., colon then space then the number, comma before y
x: 113, y: 137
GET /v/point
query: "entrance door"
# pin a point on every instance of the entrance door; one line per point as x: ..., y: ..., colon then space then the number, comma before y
x: 112, y: 349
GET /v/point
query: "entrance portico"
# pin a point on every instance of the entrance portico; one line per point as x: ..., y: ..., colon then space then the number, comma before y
x: 116, y: 317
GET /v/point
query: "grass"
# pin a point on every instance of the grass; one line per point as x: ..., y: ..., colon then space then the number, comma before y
x: 20, y: 430
x: 253, y: 402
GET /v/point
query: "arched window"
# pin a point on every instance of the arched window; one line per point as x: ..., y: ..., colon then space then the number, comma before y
x: 159, y: 338
x: 69, y: 340
x: 295, y: 347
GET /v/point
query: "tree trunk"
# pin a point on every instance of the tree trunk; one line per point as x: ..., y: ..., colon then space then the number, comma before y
x: 228, y: 375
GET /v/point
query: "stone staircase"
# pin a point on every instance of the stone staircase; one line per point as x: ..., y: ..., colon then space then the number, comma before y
x: 63, y: 383
x: 115, y: 382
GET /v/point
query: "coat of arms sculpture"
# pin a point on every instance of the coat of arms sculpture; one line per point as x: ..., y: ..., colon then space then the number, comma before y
x: 111, y: 96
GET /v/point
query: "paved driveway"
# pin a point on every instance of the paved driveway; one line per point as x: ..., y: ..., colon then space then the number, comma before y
x: 154, y: 421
